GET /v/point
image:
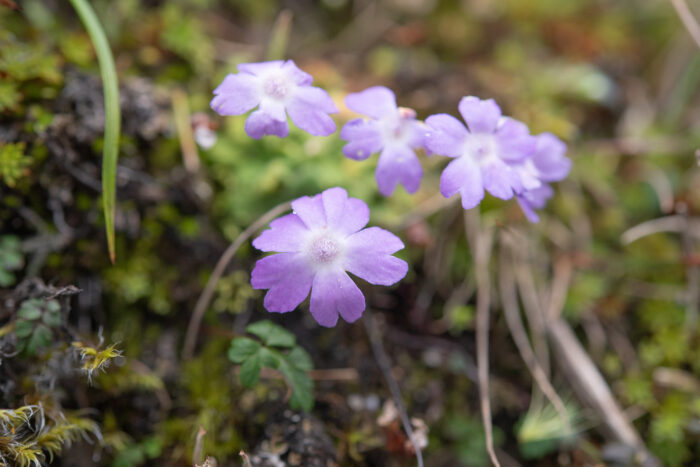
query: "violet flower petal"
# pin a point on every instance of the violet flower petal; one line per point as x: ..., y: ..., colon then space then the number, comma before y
x: 286, y: 234
x: 445, y: 135
x: 376, y: 102
x: 236, y: 95
x: 398, y: 164
x: 333, y: 293
x: 482, y: 116
x: 289, y: 278
x: 369, y: 256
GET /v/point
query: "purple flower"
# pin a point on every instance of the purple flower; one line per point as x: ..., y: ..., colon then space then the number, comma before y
x: 547, y: 164
x: 391, y: 130
x: 485, y: 153
x: 276, y: 88
x: 317, y: 244
x: 534, y: 199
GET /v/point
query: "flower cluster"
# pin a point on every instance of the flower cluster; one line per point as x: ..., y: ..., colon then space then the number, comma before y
x: 323, y: 239
x: 496, y: 154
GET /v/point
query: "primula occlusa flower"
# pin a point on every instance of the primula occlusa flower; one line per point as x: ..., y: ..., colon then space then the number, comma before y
x: 391, y: 130
x: 485, y: 153
x: 277, y: 88
x: 316, y: 244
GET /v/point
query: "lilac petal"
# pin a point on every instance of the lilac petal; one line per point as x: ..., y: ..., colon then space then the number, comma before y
x: 530, y: 213
x: 286, y: 234
x: 368, y: 256
x: 297, y: 75
x: 398, y: 164
x: 310, y: 211
x: 344, y: 215
x: 364, y: 138
x: 514, y: 140
x: 499, y: 179
x: 550, y: 158
x: 417, y: 131
x: 236, y: 95
x: 260, y: 123
x: 274, y: 109
x: 534, y: 199
x: 309, y: 110
x: 333, y: 292
x: 445, y: 135
x: 482, y: 116
x: 333, y: 200
x: 356, y: 216
x: 463, y: 175
x: 375, y: 102
x: 260, y: 68
x: 288, y: 277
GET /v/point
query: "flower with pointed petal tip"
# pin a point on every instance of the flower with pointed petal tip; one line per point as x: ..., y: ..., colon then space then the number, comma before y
x: 276, y: 88
x: 484, y: 151
x: 316, y: 244
x: 391, y: 130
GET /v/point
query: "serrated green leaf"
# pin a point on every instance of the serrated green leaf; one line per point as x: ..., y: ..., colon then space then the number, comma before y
x: 300, y: 358
x: 272, y: 334
x: 41, y: 338
x: 242, y: 348
x: 23, y: 328
x: 52, y: 318
x: 270, y: 358
x: 302, y: 386
x: 30, y: 309
x: 250, y: 370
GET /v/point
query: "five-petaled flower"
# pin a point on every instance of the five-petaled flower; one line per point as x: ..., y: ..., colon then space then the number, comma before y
x: 486, y: 153
x: 316, y: 244
x: 277, y: 88
x: 391, y: 130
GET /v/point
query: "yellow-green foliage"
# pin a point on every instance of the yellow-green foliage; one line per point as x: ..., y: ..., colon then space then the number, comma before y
x: 28, y: 436
x: 14, y: 164
x: 96, y: 360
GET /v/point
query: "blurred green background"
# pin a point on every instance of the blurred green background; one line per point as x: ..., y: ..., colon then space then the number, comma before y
x: 617, y: 80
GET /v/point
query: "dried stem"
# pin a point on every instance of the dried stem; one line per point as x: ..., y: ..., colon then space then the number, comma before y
x: 385, y: 365
x: 480, y: 241
x: 688, y: 20
x: 208, y: 293
x: 509, y: 300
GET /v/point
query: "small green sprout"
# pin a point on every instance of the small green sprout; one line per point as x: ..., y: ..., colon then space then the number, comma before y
x: 95, y: 360
x: 276, y: 349
x: 36, y: 320
x: 11, y: 259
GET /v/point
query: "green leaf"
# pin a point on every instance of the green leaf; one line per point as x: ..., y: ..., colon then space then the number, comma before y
x: 272, y: 334
x: 23, y: 328
x: 300, y: 358
x: 242, y: 348
x: 52, y: 319
x: 112, y: 115
x: 30, y: 309
x: 302, y: 386
x: 39, y: 340
x: 250, y: 371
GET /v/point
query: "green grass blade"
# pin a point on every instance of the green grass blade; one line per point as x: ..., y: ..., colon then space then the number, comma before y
x: 112, y: 115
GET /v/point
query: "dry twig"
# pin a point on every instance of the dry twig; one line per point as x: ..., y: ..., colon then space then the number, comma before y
x: 480, y: 241
x: 385, y: 365
x: 688, y: 19
x: 208, y: 293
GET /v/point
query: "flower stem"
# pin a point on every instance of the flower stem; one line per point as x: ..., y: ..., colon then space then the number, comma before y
x: 112, y: 115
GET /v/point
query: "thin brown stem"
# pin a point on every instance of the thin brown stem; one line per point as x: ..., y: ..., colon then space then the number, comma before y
x: 480, y: 241
x: 509, y: 300
x: 688, y: 19
x: 208, y: 293
x: 385, y: 365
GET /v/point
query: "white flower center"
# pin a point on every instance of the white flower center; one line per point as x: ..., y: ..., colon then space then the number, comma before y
x: 324, y: 249
x: 276, y: 87
x: 399, y: 129
x: 481, y: 146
